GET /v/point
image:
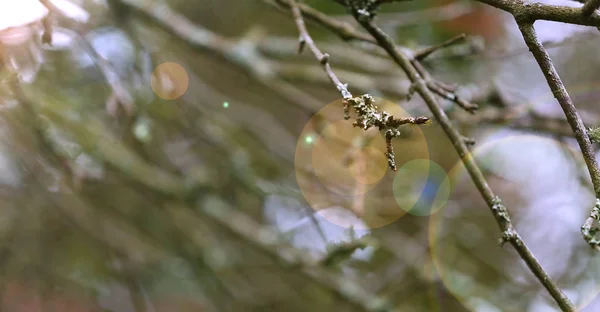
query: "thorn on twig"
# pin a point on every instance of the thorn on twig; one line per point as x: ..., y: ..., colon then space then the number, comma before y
x: 301, y: 44
x: 324, y: 59
x: 469, y: 141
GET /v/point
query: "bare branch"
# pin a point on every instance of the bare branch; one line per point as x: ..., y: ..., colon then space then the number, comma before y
x: 368, y: 114
x: 343, y: 29
x: 589, y: 7
x: 560, y: 93
x: 270, y: 242
x: 499, y: 211
x: 526, y: 10
x: 323, y: 58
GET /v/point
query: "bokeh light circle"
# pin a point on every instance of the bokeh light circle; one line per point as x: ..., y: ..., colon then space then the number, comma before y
x: 344, y: 158
x: 169, y: 81
x: 421, y: 187
x: 539, y: 180
x: 339, y: 165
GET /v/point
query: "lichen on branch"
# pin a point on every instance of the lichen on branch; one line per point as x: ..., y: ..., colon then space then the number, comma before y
x: 369, y: 115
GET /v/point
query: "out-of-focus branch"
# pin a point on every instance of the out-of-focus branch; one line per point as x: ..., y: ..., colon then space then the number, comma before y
x: 446, y: 12
x: 270, y: 242
x: 343, y: 29
x: 241, y: 52
x: 422, y: 54
x: 119, y: 92
x: 590, y: 6
x: 519, y: 120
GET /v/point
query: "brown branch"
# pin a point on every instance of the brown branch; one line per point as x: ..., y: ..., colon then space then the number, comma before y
x: 368, y: 114
x: 589, y: 7
x: 346, y: 31
x: 323, y: 58
x: 560, y: 93
x: 343, y: 29
x: 538, y: 11
x: 499, y: 211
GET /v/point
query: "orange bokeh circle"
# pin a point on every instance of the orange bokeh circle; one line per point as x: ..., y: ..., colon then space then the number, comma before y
x: 169, y: 81
x: 339, y: 165
x: 344, y: 157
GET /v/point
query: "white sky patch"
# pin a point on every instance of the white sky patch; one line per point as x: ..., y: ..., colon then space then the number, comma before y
x: 22, y: 12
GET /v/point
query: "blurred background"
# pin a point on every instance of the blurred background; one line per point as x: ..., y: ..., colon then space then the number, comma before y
x: 182, y: 156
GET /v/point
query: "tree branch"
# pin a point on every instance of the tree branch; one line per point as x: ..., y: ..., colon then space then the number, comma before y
x: 526, y: 10
x: 323, y: 58
x: 560, y: 93
x: 368, y: 114
x: 499, y: 211
x: 343, y: 29
x: 270, y: 242
x: 589, y: 7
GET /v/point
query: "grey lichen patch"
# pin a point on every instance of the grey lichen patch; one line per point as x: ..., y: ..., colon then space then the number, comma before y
x: 509, y: 235
x: 500, y: 210
x: 589, y: 230
x: 369, y: 115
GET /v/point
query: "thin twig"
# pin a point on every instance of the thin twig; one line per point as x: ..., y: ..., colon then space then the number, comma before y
x: 443, y: 92
x: 343, y: 29
x: 422, y: 54
x: 368, y: 114
x: 499, y: 211
x: 323, y: 58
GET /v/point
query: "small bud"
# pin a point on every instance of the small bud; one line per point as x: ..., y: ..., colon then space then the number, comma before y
x: 324, y: 59
x: 301, y: 44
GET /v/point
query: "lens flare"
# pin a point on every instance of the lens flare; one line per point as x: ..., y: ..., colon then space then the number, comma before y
x: 169, y: 81
x: 539, y: 182
x: 421, y: 187
x: 339, y: 165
